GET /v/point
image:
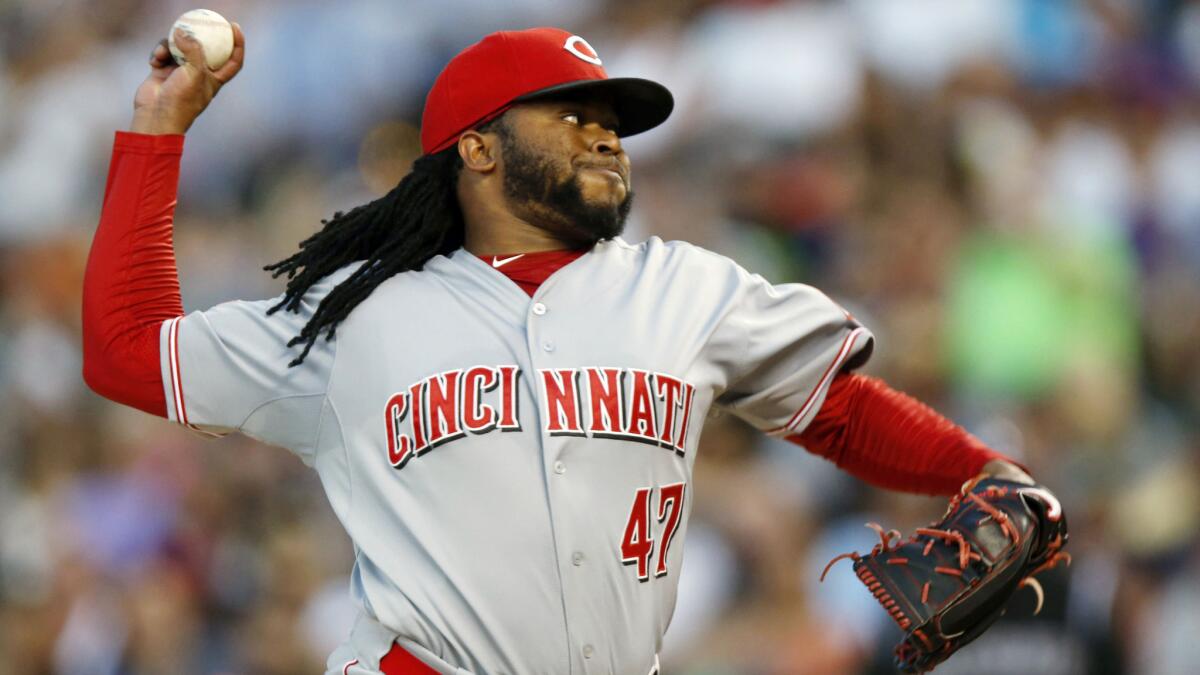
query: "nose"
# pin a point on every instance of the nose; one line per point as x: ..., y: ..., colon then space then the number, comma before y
x: 606, y: 142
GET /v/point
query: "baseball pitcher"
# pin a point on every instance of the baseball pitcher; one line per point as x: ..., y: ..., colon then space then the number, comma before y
x: 502, y: 397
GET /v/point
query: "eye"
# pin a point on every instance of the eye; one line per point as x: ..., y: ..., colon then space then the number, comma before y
x: 571, y: 118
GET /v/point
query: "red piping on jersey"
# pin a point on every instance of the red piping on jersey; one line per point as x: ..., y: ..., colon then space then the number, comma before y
x: 131, y: 285
x: 176, y: 381
x: 181, y: 415
x: 843, y: 352
x: 891, y: 440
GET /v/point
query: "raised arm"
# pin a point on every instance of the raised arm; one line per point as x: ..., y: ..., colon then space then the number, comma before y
x: 131, y: 284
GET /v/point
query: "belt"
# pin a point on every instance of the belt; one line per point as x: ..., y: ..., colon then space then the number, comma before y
x: 397, y: 662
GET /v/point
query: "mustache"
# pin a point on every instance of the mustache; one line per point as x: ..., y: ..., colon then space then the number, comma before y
x: 613, y: 165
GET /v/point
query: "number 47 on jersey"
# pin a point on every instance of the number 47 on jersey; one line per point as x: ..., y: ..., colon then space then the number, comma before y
x: 637, y: 545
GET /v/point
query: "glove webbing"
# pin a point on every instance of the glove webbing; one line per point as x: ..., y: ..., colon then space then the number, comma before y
x: 1053, y: 553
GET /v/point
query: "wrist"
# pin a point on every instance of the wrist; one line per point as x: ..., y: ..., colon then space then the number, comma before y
x: 1006, y: 470
x: 157, y: 123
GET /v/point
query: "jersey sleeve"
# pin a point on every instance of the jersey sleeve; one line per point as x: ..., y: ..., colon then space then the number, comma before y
x: 782, y: 345
x: 226, y: 369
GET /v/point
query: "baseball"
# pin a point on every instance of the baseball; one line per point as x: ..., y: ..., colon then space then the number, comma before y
x: 211, y: 29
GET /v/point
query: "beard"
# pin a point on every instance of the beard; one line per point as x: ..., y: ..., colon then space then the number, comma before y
x: 532, y: 180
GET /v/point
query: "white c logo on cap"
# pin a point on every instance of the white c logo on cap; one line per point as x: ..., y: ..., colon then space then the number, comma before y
x: 571, y: 45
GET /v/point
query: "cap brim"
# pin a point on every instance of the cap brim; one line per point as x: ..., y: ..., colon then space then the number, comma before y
x: 640, y: 104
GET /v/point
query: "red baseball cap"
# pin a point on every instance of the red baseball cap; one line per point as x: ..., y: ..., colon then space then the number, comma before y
x: 508, y: 67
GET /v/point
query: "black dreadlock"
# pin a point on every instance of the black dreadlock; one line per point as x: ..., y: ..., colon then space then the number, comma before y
x: 400, y: 231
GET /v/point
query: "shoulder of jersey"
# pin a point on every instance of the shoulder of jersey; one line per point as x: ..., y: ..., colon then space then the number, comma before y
x: 316, y: 293
x: 675, y: 252
x: 328, y: 282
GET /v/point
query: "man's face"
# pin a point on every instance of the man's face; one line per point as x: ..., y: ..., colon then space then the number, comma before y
x: 564, y: 169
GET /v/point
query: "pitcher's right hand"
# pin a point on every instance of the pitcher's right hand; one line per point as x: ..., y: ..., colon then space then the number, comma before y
x: 173, y: 96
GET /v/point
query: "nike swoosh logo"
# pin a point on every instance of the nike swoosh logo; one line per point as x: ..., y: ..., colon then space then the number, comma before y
x: 496, y: 262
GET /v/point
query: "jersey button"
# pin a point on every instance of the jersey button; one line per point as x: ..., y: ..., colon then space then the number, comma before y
x: 560, y: 468
x: 539, y: 308
x: 588, y: 651
x: 577, y: 560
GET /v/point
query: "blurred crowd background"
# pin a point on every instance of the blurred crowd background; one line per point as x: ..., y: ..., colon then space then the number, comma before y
x: 1006, y: 191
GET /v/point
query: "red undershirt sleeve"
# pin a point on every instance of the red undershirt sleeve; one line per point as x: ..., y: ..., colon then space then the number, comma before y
x: 131, y: 284
x: 891, y: 440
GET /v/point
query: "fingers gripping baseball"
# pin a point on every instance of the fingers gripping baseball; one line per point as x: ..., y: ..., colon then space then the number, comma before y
x: 173, y: 96
x: 234, y: 65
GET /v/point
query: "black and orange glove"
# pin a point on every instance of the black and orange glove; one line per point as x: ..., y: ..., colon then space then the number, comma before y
x: 948, y: 582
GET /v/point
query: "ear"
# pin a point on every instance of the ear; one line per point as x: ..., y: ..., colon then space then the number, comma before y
x: 478, y: 151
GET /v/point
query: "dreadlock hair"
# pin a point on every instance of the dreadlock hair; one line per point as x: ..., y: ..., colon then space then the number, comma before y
x: 398, y: 232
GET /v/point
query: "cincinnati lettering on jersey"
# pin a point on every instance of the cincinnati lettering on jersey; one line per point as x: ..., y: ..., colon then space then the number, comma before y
x: 620, y: 403
x: 447, y: 406
x: 653, y: 408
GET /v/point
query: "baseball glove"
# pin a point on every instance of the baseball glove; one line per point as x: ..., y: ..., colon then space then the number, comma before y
x: 948, y: 582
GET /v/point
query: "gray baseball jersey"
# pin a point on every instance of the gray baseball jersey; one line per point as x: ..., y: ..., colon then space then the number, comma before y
x: 515, y: 472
